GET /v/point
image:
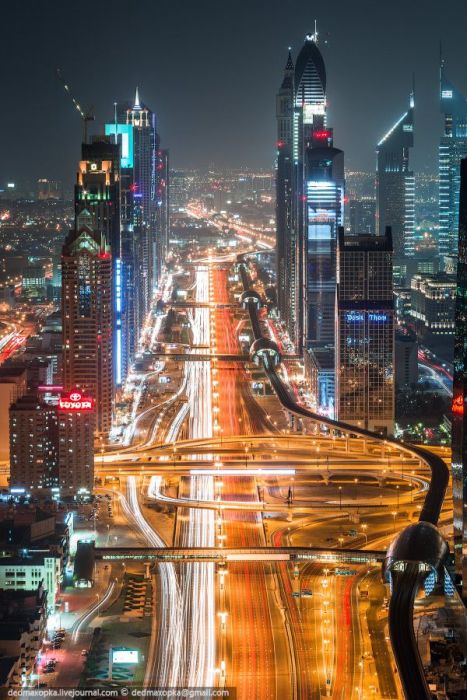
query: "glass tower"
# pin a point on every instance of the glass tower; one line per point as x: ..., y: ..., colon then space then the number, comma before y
x: 452, y: 148
x: 395, y: 185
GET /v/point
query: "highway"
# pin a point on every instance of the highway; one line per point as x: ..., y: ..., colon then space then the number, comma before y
x: 407, y: 583
x: 222, y: 462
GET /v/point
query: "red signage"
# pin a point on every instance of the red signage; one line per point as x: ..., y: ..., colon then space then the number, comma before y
x: 321, y: 135
x: 75, y: 401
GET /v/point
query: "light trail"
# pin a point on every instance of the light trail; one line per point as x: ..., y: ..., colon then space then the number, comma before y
x: 164, y: 665
x: 198, y: 591
x: 94, y: 609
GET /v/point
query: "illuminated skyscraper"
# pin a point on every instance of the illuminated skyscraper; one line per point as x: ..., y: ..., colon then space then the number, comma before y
x: 163, y: 208
x: 87, y: 301
x: 459, y: 401
x: 98, y: 192
x: 395, y: 186
x: 284, y: 172
x: 365, y: 332
x: 324, y: 211
x: 452, y: 148
x: 300, y: 109
x: 134, y: 128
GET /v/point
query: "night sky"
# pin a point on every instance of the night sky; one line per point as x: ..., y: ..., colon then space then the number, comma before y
x: 211, y: 70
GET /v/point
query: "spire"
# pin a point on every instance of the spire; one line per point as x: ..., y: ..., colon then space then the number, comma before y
x: 412, y: 93
x: 289, y: 65
x: 137, y: 104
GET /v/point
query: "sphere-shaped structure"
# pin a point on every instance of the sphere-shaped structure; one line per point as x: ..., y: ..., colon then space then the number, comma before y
x: 250, y: 295
x: 265, y: 350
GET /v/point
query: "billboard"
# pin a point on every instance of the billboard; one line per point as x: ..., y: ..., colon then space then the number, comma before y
x: 125, y: 656
x: 75, y: 400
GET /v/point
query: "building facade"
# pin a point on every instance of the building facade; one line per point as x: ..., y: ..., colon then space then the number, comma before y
x: 97, y: 192
x: 87, y: 316
x: 395, y: 187
x: 452, y: 148
x: 134, y: 129
x: 459, y: 398
x: 362, y: 215
x: 365, y: 332
x: 33, y: 444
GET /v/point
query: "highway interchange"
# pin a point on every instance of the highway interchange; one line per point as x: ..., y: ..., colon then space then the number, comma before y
x: 233, y: 472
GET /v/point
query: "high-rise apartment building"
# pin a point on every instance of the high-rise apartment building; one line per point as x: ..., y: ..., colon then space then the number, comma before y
x: 33, y: 444
x: 52, y: 447
x: 365, y: 332
x: 87, y: 313
x: 395, y: 186
x: 459, y: 399
x: 76, y: 425
x: 452, y: 148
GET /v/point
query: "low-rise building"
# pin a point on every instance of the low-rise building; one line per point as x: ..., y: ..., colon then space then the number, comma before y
x: 28, y: 571
x: 23, y: 620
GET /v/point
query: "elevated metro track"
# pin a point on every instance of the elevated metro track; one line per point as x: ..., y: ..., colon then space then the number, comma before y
x: 415, y: 544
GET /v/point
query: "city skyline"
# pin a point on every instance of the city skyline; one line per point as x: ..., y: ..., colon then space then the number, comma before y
x: 234, y: 398
x: 179, y: 100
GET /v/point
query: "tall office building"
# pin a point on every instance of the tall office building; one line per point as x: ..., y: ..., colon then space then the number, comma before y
x: 323, y: 215
x: 459, y: 400
x: 284, y: 171
x: 395, y: 186
x: 365, y: 332
x: 98, y: 192
x: 87, y: 307
x: 452, y: 148
x: 134, y: 128
x: 163, y: 208
x: 301, y: 112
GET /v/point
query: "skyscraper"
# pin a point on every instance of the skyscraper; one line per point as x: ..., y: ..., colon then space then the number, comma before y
x: 87, y: 302
x: 300, y: 110
x: 324, y: 211
x: 452, y: 148
x: 134, y: 128
x: 98, y: 192
x: 163, y: 208
x: 284, y: 171
x: 365, y: 332
x: 459, y: 397
x: 395, y: 186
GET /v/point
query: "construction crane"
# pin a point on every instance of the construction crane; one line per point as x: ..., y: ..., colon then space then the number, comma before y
x: 86, y: 116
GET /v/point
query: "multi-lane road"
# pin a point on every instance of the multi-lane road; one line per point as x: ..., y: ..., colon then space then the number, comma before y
x: 264, y: 628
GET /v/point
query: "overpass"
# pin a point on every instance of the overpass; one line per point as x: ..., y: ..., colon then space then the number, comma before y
x: 226, y: 554
x: 208, y: 357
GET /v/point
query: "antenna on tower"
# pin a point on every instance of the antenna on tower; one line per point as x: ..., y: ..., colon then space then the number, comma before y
x: 86, y: 115
x: 315, y: 34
